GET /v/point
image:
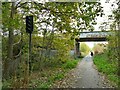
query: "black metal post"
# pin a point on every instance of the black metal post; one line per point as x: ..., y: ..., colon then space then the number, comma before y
x: 29, y: 53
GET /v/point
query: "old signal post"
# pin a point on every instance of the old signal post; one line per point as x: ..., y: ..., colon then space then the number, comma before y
x: 29, y: 24
x: 29, y: 29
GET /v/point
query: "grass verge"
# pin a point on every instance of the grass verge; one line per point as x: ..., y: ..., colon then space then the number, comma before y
x: 108, y: 68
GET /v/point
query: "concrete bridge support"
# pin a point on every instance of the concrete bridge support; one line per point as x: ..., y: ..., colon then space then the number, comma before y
x: 77, y: 49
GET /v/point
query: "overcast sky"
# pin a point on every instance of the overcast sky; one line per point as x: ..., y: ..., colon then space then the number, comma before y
x: 107, y: 11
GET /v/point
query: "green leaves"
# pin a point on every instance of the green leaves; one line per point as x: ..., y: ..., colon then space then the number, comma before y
x: 105, y: 66
x: 70, y: 64
x: 84, y: 49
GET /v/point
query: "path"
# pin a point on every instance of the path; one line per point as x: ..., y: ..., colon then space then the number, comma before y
x: 84, y: 76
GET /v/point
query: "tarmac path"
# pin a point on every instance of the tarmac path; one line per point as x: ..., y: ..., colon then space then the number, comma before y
x: 84, y: 76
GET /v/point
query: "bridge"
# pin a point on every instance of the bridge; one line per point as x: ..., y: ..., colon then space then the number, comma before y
x: 90, y: 36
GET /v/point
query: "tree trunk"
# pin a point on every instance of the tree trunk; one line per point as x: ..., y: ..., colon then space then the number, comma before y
x: 10, y: 40
x: 10, y: 45
x: 6, y: 71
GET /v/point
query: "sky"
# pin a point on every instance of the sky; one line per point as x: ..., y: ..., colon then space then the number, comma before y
x: 107, y: 11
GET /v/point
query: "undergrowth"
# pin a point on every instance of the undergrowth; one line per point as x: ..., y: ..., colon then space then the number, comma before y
x: 104, y: 65
x: 49, y: 76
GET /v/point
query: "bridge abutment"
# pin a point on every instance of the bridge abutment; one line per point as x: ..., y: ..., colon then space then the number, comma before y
x: 77, y: 49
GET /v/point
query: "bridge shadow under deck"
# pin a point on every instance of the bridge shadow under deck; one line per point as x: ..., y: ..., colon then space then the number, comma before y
x: 91, y: 39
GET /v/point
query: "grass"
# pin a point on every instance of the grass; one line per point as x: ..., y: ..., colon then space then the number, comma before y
x: 50, y: 80
x: 48, y: 77
x: 106, y: 67
x: 45, y: 85
x: 6, y: 83
x: 70, y: 64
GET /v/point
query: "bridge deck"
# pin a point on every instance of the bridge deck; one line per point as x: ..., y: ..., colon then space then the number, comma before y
x: 93, y: 36
x: 91, y: 39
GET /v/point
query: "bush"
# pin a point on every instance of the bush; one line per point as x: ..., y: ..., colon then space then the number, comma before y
x: 105, y: 66
x: 70, y: 64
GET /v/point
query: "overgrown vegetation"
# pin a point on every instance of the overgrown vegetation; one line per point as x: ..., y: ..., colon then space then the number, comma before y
x: 109, y: 61
x: 84, y: 49
x: 110, y: 69
x: 47, y: 77
x: 99, y: 48
x: 56, y: 25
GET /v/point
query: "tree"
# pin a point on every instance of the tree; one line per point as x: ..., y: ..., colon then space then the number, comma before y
x: 84, y: 48
x: 98, y: 48
x: 9, y: 25
x: 57, y: 22
x: 114, y: 43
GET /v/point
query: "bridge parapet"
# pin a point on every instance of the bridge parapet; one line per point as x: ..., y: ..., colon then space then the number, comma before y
x: 93, y: 36
x: 96, y: 34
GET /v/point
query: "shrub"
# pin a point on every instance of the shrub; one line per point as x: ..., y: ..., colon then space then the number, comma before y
x: 105, y: 66
x: 70, y: 64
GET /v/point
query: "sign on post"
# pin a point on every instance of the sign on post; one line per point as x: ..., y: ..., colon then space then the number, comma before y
x: 29, y: 24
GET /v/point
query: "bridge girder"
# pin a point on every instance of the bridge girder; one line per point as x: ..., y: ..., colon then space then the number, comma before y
x: 91, y: 39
